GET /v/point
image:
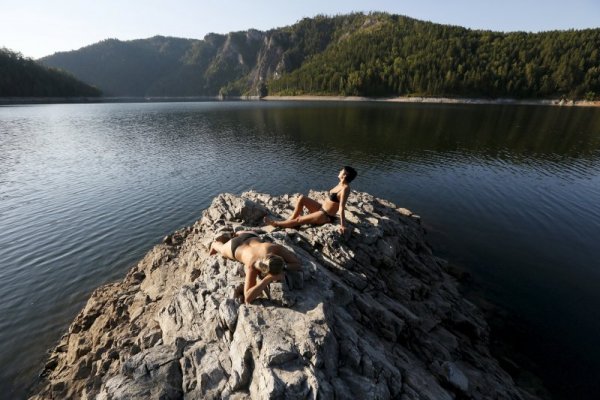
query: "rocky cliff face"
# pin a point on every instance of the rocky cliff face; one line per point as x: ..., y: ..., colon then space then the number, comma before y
x: 371, y: 316
x: 234, y: 64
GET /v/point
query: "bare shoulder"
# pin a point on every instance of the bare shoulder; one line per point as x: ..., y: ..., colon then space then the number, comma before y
x: 250, y: 270
x: 345, y: 191
x: 278, y: 249
x: 281, y: 251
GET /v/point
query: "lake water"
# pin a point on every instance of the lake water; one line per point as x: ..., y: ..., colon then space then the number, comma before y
x: 510, y: 193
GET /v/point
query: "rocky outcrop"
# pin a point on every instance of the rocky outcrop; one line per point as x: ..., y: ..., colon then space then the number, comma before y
x: 373, y: 315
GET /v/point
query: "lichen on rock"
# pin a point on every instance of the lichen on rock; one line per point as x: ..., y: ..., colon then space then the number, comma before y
x: 372, y: 315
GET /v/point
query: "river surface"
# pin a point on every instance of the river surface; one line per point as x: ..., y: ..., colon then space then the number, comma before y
x: 509, y: 193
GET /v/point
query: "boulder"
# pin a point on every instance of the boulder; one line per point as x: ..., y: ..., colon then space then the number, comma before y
x: 373, y: 314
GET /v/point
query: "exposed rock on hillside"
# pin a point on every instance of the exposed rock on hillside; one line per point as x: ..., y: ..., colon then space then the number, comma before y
x: 371, y: 316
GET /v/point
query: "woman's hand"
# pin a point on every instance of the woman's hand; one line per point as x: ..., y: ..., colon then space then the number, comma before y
x: 274, y: 278
x: 342, y: 229
x: 253, y: 289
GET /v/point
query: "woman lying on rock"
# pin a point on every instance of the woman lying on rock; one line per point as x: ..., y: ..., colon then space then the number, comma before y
x: 320, y: 214
x: 258, y: 257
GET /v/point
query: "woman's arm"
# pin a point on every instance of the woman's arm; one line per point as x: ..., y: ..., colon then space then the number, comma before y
x: 291, y: 261
x: 252, y: 289
x: 342, y: 211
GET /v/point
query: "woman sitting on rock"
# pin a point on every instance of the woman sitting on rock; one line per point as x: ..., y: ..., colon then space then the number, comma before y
x: 269, y: 259
x: 321, y: 213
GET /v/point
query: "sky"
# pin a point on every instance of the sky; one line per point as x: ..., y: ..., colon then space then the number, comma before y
x: 37, y: 28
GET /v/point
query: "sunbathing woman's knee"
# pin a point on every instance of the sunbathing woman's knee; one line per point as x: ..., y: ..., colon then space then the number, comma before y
x: 300, y: 202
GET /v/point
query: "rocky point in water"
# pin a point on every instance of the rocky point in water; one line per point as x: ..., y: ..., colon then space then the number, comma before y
x: 372, y: 315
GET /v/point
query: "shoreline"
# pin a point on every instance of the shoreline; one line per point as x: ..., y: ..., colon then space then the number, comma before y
x: 440, y: 100
x: 7, y: 101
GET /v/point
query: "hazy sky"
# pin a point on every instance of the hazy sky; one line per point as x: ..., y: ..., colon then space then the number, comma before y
x: 41, y: 27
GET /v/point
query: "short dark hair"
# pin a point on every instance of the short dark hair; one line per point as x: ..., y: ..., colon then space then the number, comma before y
x: 350, y: 173
x: 272, y: 264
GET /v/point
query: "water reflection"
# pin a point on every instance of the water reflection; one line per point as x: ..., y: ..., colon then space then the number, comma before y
x: 536, y: 132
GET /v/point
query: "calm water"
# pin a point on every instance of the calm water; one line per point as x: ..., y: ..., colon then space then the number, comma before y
x: 511, y: 193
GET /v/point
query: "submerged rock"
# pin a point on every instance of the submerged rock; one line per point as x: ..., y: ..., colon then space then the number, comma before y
x: 373, y: 315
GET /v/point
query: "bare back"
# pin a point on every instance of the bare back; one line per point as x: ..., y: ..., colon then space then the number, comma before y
x: 253, y: 250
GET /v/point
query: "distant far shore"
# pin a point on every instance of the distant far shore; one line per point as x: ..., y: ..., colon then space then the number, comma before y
x: 404, y: 99
x: 125, y: 99
x: 439, y: 100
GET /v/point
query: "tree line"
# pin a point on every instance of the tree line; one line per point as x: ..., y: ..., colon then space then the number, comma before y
x: 23, y: 77
x: 389, y: 55
x: 374, y: 54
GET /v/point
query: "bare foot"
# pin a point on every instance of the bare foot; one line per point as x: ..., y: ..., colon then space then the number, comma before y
x: 212, y: 250
x: 269, y: 221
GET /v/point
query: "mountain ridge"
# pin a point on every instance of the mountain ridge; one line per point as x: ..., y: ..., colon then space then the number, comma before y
x: 375, y: 54
x: 21, y: 77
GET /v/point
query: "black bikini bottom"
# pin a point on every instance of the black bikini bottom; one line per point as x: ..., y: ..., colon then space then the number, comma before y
x: 239, y: 240
x: 332, y: 218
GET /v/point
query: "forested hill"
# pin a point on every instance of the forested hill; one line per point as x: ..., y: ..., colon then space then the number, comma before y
x: 367, y: 55
x: 23, y: 77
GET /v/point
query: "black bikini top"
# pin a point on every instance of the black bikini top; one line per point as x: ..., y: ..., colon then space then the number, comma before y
x: 334, y: 197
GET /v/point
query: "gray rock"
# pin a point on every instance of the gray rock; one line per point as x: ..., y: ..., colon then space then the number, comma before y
x: 154, y: 373
x: 372, y: 315
x: 455, y: 376
x: 228, y: 313
x: 204, y: 374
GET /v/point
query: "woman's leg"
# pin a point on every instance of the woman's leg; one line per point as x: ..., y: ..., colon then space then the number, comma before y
x: 222, y: 248
x: 314, y: 218
x: 215, y: 247
x: 305, y: 201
